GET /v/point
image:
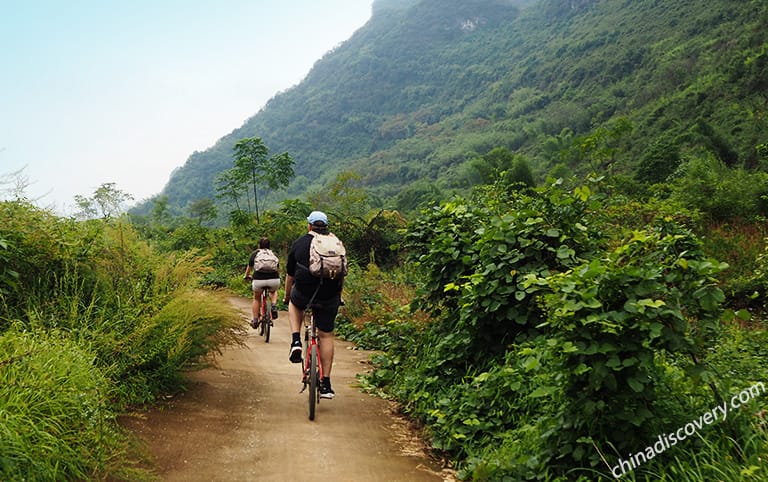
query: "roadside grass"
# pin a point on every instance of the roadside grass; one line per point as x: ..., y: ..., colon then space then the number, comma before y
x: 93, y: 323
x: 56, y: 422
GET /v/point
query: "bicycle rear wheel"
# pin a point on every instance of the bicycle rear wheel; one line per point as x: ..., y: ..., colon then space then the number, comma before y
x: 313, y: 381
x: 262, y: 311
x: 267, y: 322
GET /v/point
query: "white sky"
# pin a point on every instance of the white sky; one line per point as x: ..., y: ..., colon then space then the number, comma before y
x: 97, y: 91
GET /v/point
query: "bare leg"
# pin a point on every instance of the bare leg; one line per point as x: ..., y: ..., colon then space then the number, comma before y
x: 295, y: 316
x: 256, y: 305
x: 326, y: 352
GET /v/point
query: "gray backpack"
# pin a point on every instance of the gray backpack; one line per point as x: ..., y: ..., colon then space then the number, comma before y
x: 265, y: 261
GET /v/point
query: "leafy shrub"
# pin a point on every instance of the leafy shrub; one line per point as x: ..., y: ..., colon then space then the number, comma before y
x: 561, y: 336
x: 611, y: 317
x: 474, y: 261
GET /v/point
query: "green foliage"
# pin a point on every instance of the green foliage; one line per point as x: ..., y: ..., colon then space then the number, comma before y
x: 417, y: 196
x: 707, y: 184
x: 8, y: 276
x: 377, y: 312
x: 255, y: 168
x: 37, y: 244
x: 107, y: 202
x: 156, y: 350
x: 570, y: 329
x: 57, y: 421
x: 94, y: 320
x: 441, y: 243
x: 475, y: 258
x: 610, y: 317
x: 203, y: 210
x: 751, y: 288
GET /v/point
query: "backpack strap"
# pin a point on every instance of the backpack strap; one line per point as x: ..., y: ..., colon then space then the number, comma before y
x: 306, y: 268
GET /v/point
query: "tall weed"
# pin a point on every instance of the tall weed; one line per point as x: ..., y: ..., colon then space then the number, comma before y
x: 183, y: 335
x: 102, y: 303
x: 55, y: 419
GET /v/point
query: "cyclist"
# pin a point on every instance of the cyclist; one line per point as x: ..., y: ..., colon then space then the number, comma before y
x: 264, y: 273
x: 300, y: 287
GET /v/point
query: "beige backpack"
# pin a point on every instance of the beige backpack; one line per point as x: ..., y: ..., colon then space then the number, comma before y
x: 327, y: 256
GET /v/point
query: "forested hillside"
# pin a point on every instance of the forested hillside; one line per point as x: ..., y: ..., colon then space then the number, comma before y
x: 425, y: 88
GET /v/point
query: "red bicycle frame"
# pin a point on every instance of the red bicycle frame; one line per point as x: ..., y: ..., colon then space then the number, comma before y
x: 313, y: 367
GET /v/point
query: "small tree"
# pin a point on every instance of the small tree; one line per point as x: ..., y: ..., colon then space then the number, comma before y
x: 253, y: 166
x: 230, y: 186
x: 17, y: 184
x: 107, y: 201
x: 160, y: 210
x: 203, y: 210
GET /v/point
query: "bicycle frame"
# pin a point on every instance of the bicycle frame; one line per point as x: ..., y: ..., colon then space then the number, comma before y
x: 313, y: 368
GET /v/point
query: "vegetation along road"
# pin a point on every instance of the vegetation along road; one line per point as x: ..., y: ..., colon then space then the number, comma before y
x: 246, y: 420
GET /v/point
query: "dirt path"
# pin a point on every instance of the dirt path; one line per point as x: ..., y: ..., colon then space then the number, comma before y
x: 245, y: 420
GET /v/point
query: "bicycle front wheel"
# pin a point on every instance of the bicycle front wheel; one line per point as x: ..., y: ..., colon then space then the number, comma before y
x: 313, y: 381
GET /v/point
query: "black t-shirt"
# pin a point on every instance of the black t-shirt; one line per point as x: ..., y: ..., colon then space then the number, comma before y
x: 298, y: 260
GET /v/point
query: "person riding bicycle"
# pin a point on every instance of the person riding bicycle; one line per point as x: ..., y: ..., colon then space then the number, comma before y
x: 301, y: 288
x: 263, y: 271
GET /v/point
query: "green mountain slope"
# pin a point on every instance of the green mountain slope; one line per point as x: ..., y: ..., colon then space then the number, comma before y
x: 427, y: 86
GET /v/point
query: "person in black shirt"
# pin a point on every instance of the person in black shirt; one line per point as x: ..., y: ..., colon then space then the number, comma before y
x: 300, y: 287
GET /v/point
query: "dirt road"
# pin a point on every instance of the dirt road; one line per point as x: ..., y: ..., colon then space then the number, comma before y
x: 246, y: 420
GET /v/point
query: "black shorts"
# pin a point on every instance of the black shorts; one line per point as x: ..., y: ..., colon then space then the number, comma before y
x: 325, y: 311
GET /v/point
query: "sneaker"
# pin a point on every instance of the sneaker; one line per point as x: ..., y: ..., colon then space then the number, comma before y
x: 295, y: 355
x: 254, y: 323
x: 274, y: 312
x: 326, y: 391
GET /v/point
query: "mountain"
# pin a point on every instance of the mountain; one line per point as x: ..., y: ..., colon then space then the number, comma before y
x: 427, y: 86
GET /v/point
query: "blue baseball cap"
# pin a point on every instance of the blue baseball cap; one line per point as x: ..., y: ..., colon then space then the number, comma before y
x: 317, y: 217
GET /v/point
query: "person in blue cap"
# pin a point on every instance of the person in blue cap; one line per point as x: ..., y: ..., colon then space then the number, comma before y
x: 301, y: 287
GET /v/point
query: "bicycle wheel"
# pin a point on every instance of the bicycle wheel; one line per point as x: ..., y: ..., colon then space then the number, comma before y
x: 313, y: 381
x: 267, y: 323
x: 262, y: 310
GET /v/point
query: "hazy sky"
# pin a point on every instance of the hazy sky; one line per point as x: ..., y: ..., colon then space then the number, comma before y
x: 97, y: 91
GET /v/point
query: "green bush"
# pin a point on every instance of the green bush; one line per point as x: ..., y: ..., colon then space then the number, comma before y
x: 563, y: 339
x: 611, y: 318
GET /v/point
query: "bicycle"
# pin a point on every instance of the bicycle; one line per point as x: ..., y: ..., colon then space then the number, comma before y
x: 313, y: 369
x: 265, y: 319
